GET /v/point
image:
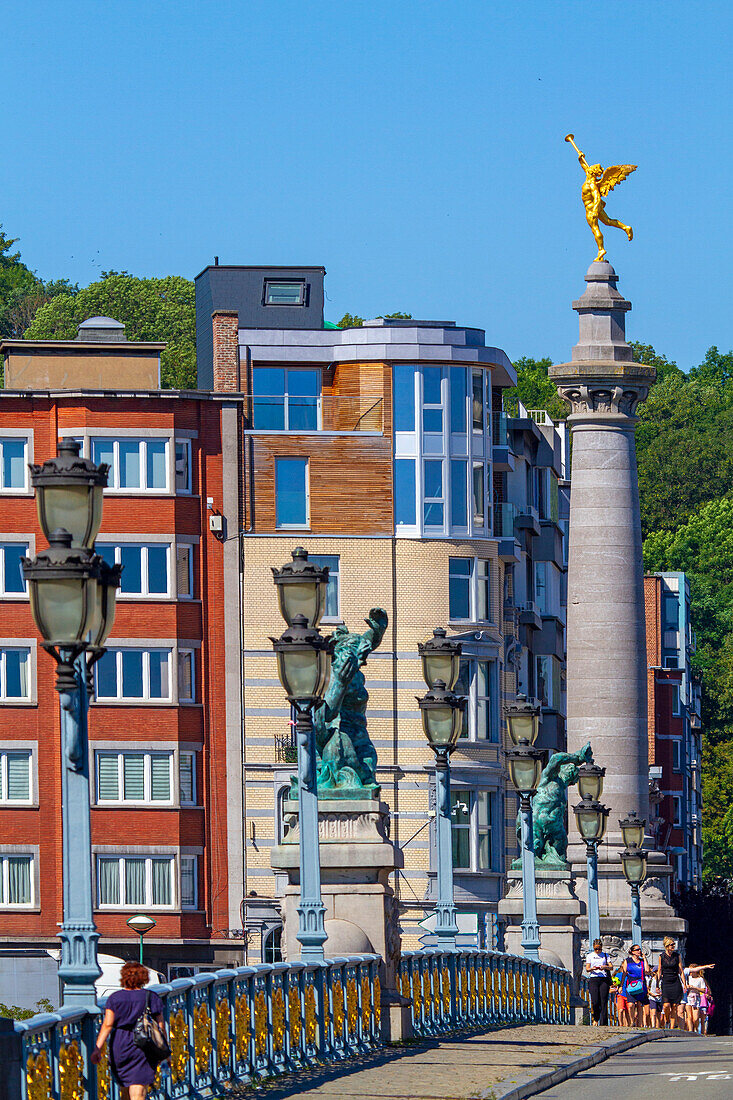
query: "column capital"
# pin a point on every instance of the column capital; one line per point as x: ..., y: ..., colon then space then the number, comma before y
x: 602, y: 389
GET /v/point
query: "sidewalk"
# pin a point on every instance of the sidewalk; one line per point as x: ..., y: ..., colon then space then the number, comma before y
x: 497, y: 1064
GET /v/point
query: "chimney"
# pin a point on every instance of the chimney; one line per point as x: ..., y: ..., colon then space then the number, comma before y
x: 226, y: 358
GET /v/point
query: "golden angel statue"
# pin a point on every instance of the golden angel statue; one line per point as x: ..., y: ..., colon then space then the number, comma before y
x: 597, y: 185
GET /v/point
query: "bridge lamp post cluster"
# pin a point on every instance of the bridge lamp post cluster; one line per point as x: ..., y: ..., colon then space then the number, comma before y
x: 442, y: 712
x: 304, y: 667
x: 72, y: 597
x: 634, y: 863
x: 591, y: 817
x: 525, y: 763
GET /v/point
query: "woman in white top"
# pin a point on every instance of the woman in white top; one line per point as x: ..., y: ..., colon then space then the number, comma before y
x: 696, y: 987
x: 598, y: 971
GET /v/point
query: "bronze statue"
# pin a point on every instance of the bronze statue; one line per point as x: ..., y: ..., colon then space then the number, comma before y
x: 597, y: 185
x: 346, y: 757
x: 548, y: 807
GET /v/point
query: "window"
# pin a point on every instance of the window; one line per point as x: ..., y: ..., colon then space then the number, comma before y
x: 549, y: 682
x: 272, y: 950
x: 145, y: 569
x: 291, y: 492
x: 469, y: 589
x: 15, y: 776
x: 134, y: 777
x: 186, y: 676
x: 404, y: 397
x: 332, y: 592
x: 184, y: 570
x: 477, y: 681
x: 432, y: 399
x: 183, y: 465
x: 286, y: 400
x: 471, y: 813
x: 15, y: 673
x: 135, y: 881
x: 134, y: 463
x: 477, y: 400
x: 13, y: 469
x: 676, y: 707
x: 458, y: 493
x: 189, y: 882
x: 677, y: 809
x: 134, y: 674
x: 671, y: 610
x: 12, y: 581
x: 187, y: 778
x: 676, y: 756
x: 16, y: 881
x: 548, y: 588
x: 404, y: 492
x: 479, y: 495
x: 285, y: 292
x: 458, y: 396
x: 433, y: 514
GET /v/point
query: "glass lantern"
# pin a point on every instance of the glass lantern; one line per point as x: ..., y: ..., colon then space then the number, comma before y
x: 301, y: 589
x: 590, y: 781
x: 634, y: 865
x: 525, y: 768
x: 69, y: 492
x: 523, y: 721
x: 441, y: 659
x: 632, y: 830
x: 591, y: 818
x: 442, y: 717
x: 303, y: 661
x: 62, y: 585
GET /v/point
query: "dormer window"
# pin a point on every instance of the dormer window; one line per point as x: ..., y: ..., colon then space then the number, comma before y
x: 285, y: 292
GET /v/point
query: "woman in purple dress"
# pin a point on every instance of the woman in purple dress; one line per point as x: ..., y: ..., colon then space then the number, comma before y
x: 124, y: 1008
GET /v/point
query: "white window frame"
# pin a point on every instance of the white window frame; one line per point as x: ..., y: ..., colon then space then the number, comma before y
x: 194, y: 859
x: 29, y: 545
x: 11, y: 436
x: 145, y: 698
x: 5, y: 800
x: 439, y: 500
x: 15, y: 699
x: 470, y: 797
x: 147, y: 799
x: 183, y: 490
x: 114, y: 487
x: 471, y: 712
x: 148, y: 903
x: 181, y: 800
x: 5, y: 874
x: 333, y: 575
x: 295, y: 526
x: 473, y: 591
x: 189, y: 548
x: 144, y: 547
x: 182, y: 653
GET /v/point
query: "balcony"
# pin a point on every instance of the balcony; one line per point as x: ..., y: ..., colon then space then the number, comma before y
x: 527, y: 519
x: 504, y: 515
x: 502, y: 455
x: 286, y: 749
x: 308, y: 415
x: 530, y: 617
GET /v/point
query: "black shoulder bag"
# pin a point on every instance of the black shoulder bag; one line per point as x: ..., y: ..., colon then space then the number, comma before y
x: 148, y: 1036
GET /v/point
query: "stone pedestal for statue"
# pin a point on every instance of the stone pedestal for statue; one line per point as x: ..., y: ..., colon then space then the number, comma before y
x: 606, y: 629
x: 557, y: 912
x: 357, y: 859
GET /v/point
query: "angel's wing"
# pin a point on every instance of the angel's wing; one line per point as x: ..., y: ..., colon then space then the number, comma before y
x: 617, y: 173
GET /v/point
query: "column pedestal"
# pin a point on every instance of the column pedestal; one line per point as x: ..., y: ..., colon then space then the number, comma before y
x: 357, y: 859
x: 557, y: 913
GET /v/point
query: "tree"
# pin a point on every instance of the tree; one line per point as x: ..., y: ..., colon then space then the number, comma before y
x: 534, y: 388
x: 151, y: 309
x: 17, y: 284
x: 351, y: 320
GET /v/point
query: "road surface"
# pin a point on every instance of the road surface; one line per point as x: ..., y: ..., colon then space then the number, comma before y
x: 684, y: 1068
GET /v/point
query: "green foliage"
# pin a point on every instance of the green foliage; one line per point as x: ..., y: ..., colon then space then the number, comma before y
x: 151, y: 309
x: 21, y: 291
x: 14, y: 1013
x: 396, y: 316
x: 534, y: 388
x: 351, y: 320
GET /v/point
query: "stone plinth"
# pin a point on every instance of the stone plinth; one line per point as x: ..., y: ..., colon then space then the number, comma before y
x: 557, y: 912
x: 357, y: 859
x: 606, y: 629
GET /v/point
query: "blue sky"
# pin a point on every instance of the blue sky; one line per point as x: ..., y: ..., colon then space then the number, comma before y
x: 413, y: 148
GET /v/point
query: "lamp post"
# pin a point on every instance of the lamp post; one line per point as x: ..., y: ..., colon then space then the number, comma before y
x: 72, y: 598
x: 525, y: 768
x: 591, y: 818
x: 633, y: 861
x: 141, y: 924
x: 304, y: 668
x: 442, y: 719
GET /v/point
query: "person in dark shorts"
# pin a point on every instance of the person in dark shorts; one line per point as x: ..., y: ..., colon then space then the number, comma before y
x: 674, y: 987
x: 123, y: 1009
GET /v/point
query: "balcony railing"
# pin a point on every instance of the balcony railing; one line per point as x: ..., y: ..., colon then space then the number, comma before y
x: 317, y: 414
x: 286, y: 749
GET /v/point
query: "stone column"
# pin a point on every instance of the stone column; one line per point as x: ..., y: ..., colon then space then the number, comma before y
x: 606, y: 658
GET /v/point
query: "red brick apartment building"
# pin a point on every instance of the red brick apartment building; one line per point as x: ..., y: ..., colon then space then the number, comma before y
x: 167, y: 698
x: 675, y: 746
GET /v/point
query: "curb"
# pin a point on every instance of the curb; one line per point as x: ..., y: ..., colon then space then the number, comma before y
x: 532, y: 1084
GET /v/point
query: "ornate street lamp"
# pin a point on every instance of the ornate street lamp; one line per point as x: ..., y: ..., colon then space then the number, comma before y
x: 304, y: 667
x: 441, y: 659
x: 301, y: 587
x: 525, y: 765
x: 442, y: 719
x: 72, y: 596
x: 141, y: 924
x: 633, y: 861
x: 591, y: 818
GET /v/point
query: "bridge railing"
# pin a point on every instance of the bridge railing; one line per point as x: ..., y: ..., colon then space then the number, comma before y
x: 584, y: 993
x: 225, y: 1028
x: 467, y: 989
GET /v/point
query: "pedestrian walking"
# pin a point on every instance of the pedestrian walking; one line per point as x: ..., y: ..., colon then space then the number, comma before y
x: 655, y: 1000
x: 672, y: 979
x: 622, y: 1005
x: 130, y: 1064
x: 634, y: 985
x: 696, y: 987
x: 598, y: 969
